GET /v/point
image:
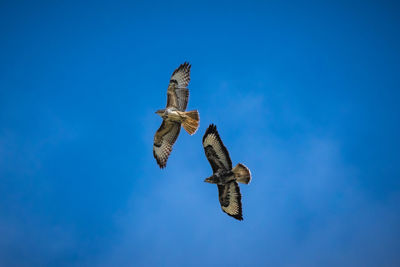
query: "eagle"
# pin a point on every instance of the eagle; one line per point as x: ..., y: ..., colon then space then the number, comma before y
x: 224, y: 176
x: 174, y: 115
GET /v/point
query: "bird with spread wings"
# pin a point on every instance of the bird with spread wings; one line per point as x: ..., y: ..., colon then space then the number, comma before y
x: 174, y: 115
x: 224, y: 176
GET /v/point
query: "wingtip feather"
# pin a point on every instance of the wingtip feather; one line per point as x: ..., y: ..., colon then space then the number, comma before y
x: 212, y: 128
x: 238, y: 217
x: 185, y: 65
x: 160, y: 164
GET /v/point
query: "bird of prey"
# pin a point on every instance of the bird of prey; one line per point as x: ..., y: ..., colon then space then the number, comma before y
x: 174, y: 115
x: 224, y: 176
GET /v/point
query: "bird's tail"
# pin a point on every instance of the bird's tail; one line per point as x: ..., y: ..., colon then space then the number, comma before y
x: 191, y: 121
x: 242, y: 174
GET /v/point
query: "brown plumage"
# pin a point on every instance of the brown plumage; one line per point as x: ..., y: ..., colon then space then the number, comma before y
x: 224, y: 176
x: 175, y: 115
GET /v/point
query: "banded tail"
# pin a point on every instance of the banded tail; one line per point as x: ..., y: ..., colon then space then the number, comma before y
x: 242, y: 174
x: 191, y: 121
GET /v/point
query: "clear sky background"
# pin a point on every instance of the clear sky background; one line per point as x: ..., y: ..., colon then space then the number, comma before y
x: 306, y: 94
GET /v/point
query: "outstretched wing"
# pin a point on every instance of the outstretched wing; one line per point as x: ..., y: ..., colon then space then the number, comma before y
x: 231, y: 199
x: 216, y: 152
x: 164, y: 139
x: 177, y: 93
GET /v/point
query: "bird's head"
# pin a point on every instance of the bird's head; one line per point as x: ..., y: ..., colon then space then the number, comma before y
x: 160, y: 112
x: 209, y: 180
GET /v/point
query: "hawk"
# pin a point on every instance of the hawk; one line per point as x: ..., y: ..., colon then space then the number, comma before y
x: 174, y: 115
x: 224, y: 176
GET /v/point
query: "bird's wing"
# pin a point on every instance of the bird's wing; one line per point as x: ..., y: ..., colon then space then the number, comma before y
x: 164, y: 139
x: 231, y: 199
x: 216, y: 152
x: 177, y: 93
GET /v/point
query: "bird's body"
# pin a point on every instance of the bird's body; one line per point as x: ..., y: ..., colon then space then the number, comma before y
x: 174, y: 115
x: 224, y: 176
x: 221, y: 177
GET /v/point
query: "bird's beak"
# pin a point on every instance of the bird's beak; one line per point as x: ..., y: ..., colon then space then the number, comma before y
x: 208, y: 180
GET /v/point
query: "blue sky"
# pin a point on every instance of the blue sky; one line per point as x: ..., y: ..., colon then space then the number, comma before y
x: 304, y: 93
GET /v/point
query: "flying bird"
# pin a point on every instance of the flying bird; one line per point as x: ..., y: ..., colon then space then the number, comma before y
x: 174, y: 115
x: 224, y: 176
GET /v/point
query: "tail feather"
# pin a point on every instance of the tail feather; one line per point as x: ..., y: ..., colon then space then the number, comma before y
x: 242, y: 174
x: 191, y: 122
